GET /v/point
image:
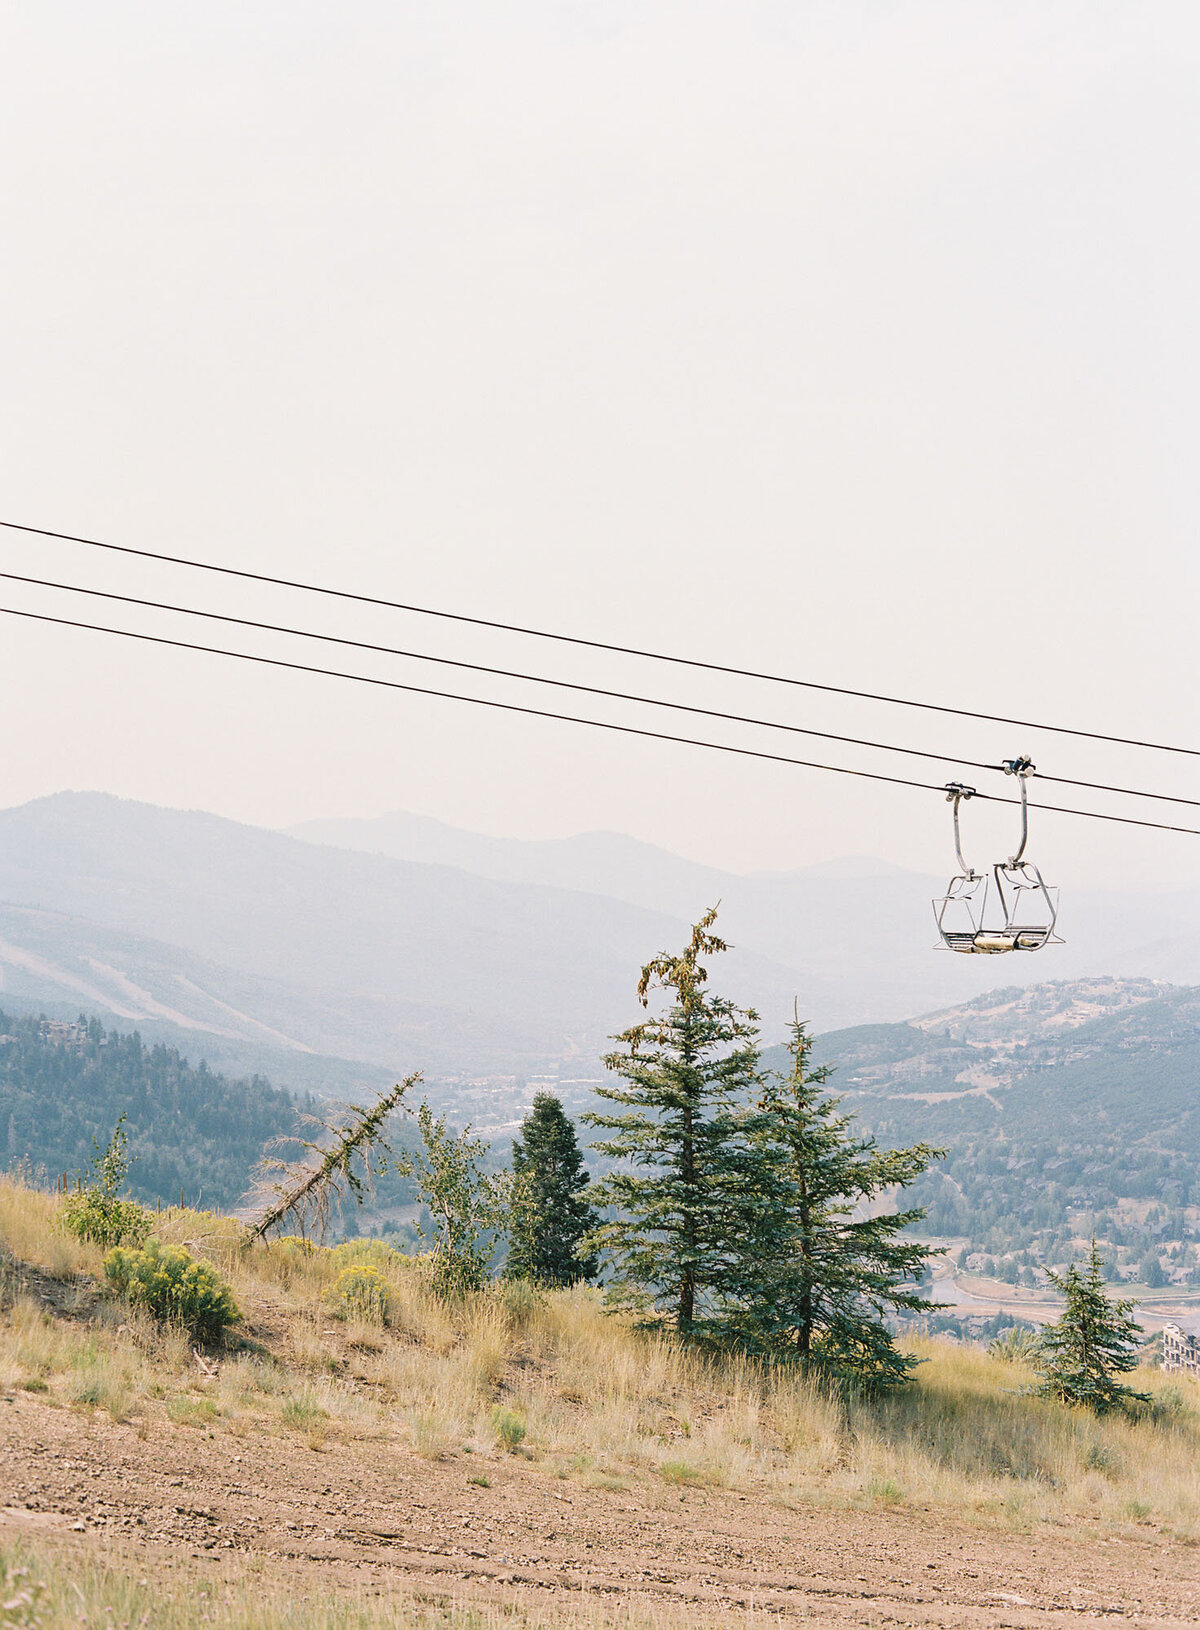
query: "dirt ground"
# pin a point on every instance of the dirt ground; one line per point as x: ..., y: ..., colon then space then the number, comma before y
x: 376, y: 1517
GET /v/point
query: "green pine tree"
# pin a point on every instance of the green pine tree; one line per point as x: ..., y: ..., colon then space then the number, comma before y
x: 684, y: 1190
x: 1150, y: 1270
x: 1094, y: 1341
x: 820, y: 1276
x: 550, y: 1215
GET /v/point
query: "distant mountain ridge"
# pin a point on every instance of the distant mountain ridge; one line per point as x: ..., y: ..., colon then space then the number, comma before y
x: 858, y: 930
x: 269, y: 949
x: 337, y: 966
x: 605, y: 863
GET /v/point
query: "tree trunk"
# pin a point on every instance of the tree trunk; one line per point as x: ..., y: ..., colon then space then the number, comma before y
x: 687, y: 1283
x: 804, y: 1330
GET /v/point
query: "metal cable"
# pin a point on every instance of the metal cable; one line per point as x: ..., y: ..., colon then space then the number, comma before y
x: 571, y: 718
x: 567, y: 684
x: 594, y: 645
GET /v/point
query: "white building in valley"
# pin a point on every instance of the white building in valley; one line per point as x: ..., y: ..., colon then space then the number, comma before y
x: 1181, y: 1351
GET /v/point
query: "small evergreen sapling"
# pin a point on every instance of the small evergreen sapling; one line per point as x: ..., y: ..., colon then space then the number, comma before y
x: 550, y: 1215
x: 1095, y: 1340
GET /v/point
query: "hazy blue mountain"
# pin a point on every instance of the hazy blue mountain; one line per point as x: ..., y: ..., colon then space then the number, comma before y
x: 592, y: 862
x: 252, y: 940
x: 857, y: 930
x: 262, y: 951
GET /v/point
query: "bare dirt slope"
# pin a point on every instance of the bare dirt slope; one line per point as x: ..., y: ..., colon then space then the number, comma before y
x: 373, y: 1516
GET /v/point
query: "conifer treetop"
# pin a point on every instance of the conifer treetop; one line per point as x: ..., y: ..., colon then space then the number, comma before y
x: 683, y: 973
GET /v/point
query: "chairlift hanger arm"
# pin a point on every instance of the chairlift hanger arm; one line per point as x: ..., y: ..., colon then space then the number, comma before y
x: 1022, y: 768
x: 955, y: 793
x: 965, y: 917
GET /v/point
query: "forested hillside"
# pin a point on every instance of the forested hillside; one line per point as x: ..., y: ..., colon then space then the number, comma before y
x: 191, y: 1131
x: 1064, y: 1108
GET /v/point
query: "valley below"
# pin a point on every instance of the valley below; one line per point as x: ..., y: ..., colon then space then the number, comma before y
x: 338, y: 958
x: 213, y: 983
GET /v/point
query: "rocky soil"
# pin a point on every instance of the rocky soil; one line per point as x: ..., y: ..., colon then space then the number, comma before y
x: 372, y: 1516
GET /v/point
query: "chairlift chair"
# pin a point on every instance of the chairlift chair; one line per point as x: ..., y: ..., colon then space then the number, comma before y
x: 1013, y: 910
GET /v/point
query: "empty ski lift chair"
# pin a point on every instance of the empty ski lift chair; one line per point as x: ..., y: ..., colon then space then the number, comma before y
x: 1013, y: 910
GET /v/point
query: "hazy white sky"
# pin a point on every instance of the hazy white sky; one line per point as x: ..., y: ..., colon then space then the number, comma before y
x: 855, y: 340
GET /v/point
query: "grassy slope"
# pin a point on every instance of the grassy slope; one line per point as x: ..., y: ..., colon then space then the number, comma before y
x: 600, y: 1403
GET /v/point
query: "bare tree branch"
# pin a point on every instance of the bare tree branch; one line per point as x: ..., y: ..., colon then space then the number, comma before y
x: 304, y: 1191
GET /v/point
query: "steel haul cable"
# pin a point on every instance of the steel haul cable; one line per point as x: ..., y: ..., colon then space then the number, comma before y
x: 594, y: 645
x: 570, y: 718
x: 567, y: 684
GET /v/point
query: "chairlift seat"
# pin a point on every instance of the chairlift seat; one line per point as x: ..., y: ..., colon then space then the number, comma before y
x: 992, y: 941
x: 1012, y: 911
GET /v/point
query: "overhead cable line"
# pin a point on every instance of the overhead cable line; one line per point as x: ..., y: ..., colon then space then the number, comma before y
x: 567, y: 684
x: 594, y: 645
x: 572, y: 718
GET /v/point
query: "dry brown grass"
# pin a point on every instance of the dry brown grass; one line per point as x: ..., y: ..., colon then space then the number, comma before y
x: 57, y: 1589
x: 588, y: 1397
x: 29, y: 1230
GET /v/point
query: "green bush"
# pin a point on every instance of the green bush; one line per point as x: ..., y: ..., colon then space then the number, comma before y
x: 291, y: 1247
x: 93, y: 1211
x: 1169, y: 1404
x: 172, y: 1286
x: 361, y: 1292
x: 521, y: 1300
x: 104, y: 1219
x: 508, y: 1427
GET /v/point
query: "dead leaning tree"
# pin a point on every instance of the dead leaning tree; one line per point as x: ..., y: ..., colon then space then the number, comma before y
x: 305, y: 1191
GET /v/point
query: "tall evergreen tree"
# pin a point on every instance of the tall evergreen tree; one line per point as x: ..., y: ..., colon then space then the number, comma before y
x: 683, y: 1192
x: 821, y: 1275
x: 1094, y: 1341
x: 550, y: 1214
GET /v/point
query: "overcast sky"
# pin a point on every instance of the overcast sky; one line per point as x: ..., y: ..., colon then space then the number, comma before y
x: 854, y: 341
